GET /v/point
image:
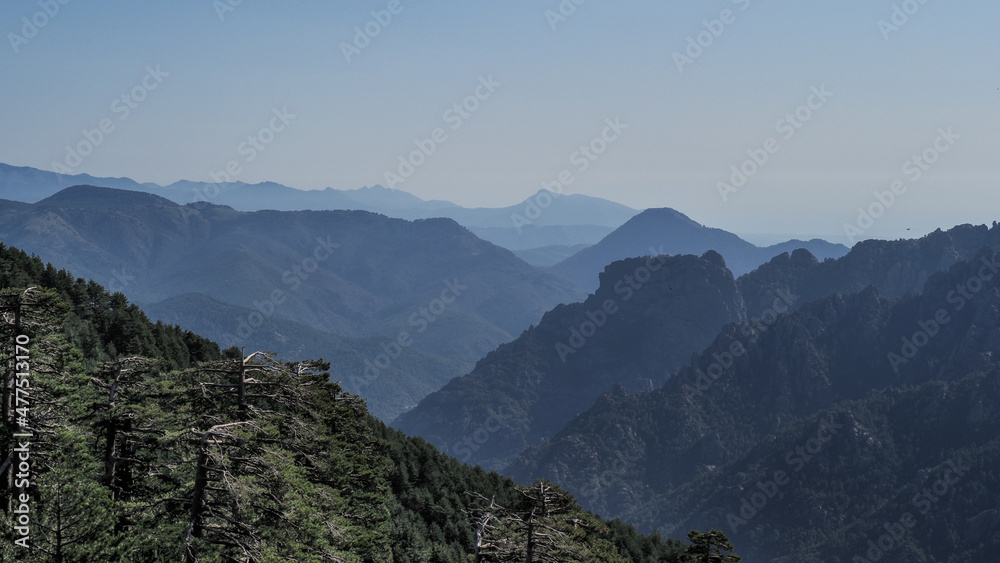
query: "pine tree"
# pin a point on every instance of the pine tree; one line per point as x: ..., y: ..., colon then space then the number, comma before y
x: 119, y: 419
x: 708, y: 547
x: 73, y: 518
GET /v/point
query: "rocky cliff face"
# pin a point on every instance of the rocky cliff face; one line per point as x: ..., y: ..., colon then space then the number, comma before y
x: 660, y: 319
x: 896, y: 268
x: 644, y: 321
x: 746, y: 400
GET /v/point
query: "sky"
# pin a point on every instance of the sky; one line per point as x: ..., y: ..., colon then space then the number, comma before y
x: 848, y: 120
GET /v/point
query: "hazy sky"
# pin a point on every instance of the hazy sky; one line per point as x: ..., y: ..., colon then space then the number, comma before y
x: 189, y: 87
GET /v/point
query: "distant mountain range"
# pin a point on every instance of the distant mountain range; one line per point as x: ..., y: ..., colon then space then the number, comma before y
x: 183, y: 262
x: 546, y: 229
x: 546, y: 219
x: 429, y: 285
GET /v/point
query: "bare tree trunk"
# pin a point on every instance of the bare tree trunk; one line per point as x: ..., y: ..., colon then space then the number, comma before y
x: 109, y: 456
x: 201, y: 481
x: 243, y: 390
x: 198, y: 497
x: 529, y: 552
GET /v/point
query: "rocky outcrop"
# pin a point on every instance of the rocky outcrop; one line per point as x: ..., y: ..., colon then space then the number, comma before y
x: 670, y: 458
x: 643, y: 323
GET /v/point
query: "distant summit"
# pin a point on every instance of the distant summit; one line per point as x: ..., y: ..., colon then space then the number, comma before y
x: 547, y: 208
x: 105, y: 198
x: 668, y: 231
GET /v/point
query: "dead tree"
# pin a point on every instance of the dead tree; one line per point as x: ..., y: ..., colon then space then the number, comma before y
x: 527, y: 533
x: 215, y: 518
x: 119, y: 419
x: 242, y: 380
x: 495, y: 528
x: 235, y: 483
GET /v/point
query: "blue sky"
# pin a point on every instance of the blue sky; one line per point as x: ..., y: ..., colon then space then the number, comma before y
x: 221, y: 79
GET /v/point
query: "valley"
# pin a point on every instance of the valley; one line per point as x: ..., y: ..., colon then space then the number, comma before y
x: 499, y: 282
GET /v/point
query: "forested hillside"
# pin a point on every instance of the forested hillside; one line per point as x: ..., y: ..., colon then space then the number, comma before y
x: 125, y: 440
x: 103, y: 326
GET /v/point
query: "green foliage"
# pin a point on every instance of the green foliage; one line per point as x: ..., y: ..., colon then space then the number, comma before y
x: 102, y: 325
x: 709, y: 547
x: 74, y: 516
x: 150, y: 444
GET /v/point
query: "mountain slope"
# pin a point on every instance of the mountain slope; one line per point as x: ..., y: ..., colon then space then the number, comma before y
x: 688, y: 452
x: 530, y: 237
x: 429, y: 284
x: 548, y: 255
x: 896, y: 268
x: 146, y: 453
x: 511, y: 375
x: 910, y: 471
x: 666, y: 231
x: 643, y: 322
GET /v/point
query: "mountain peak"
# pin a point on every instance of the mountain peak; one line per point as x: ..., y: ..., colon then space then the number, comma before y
x: 714, y: 258
x: 94, y: 196
x: 668, y: 231
x: 665, y: 214
x: 802, y: 256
